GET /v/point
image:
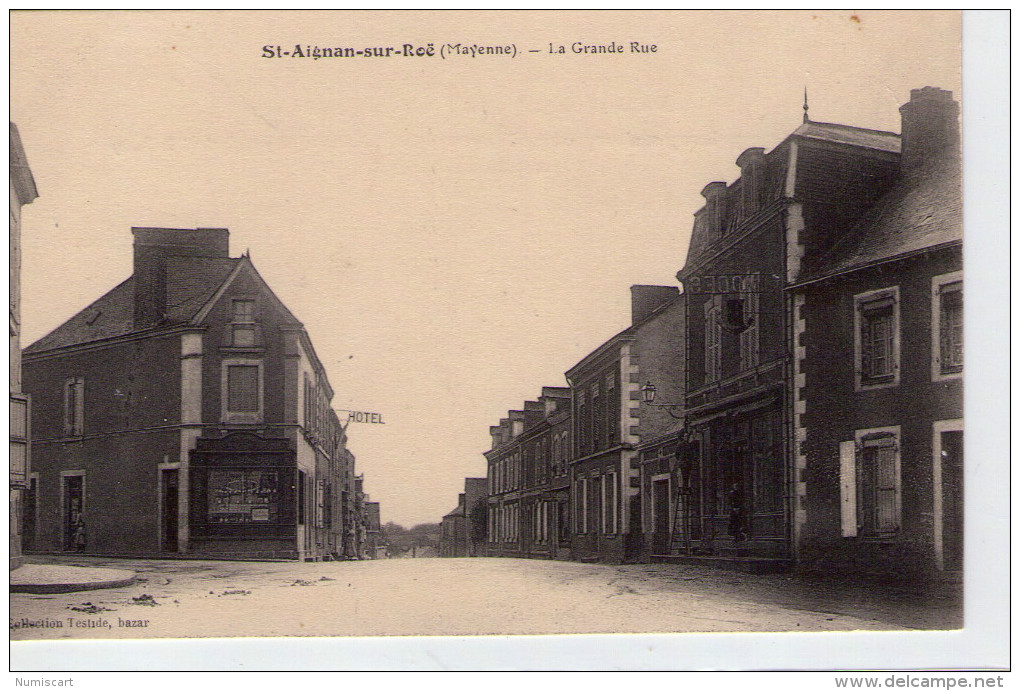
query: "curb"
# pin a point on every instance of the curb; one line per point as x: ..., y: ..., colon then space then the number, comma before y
x: 50, y: 588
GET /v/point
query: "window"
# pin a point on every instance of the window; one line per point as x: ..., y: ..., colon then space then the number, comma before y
x: 748, y: 330
x: 870, y: 483
x: 243, y: 388
x: 243, y: 324
x: 244, y: 496
x: 582, y: 425
x: 582, y: 505
x: 301, y: 482
x: 612, y: 405
x: 19, y: 436
x: 242, y: 391
x: 609, y: 500
x: 877, y: 338
x: 74, y: 407
x: 947, y: 326
x: 713, y: 340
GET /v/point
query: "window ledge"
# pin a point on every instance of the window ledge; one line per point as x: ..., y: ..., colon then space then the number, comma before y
x: 243, y: 350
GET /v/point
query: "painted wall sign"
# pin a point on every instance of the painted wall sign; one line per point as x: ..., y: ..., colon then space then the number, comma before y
x: 726, y: 283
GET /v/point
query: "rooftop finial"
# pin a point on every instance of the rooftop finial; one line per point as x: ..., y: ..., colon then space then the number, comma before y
x: 806, y: 118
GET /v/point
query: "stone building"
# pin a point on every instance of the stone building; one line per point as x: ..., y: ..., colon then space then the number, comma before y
x: 609, y: 423
x: 22, y: 191
x: 752, y: 239
x: 878, y: 369
x: 463, y: 530
x: 186, y: 412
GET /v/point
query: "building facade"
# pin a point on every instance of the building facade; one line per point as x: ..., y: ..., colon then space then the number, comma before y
x: 879, y: 370
x: 463, y: 530
x: 185, y: 412
x: 751, y: 239
x: 527, y: 483
x: 609, y: 423
x: 22, y: 192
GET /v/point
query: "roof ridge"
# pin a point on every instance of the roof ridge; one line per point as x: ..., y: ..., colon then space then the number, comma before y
x: 849, y: 127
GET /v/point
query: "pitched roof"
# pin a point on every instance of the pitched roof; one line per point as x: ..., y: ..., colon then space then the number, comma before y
x: 109, y: 316
x: 921, y: 211
x: 191, y: 282
x: 848, y: 134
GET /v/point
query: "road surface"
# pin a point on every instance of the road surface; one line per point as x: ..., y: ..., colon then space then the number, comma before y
x: 183, y: 598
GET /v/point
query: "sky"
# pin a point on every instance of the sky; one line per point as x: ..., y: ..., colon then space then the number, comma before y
x: 454, y: 232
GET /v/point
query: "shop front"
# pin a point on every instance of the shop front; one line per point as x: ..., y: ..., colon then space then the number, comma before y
x: 741, y: 483
x: 244, y: 499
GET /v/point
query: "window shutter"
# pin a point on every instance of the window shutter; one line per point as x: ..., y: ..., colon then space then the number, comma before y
x: 69, y: 407
x: 79, y: 406
x: 848, y: 488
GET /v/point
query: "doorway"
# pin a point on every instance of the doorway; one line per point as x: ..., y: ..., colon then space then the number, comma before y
x: 660, y: 516
x: 170, y: 485
x: 952, y: 499
x: 74, y: 513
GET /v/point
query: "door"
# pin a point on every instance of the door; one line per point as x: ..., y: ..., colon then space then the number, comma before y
x: 660, y: 516
x: 170, y: 496
x: 952, y: 500
x: 74, y: 514
x: 28, y: 517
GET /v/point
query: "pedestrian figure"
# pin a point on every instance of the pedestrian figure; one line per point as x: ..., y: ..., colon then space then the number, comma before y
x: 738, y: 528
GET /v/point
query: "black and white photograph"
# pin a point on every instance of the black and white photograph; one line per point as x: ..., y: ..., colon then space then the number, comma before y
x: 338, y: 328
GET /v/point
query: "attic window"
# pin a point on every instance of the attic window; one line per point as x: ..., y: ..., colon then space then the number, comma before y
x: 243, y: 324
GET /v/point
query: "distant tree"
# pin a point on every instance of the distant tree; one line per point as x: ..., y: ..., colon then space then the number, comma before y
x: 426, y: 534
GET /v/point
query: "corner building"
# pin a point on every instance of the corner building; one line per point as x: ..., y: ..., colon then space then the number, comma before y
x: 185, y: 412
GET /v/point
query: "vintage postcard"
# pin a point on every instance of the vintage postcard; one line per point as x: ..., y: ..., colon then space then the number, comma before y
x: 330, y: 326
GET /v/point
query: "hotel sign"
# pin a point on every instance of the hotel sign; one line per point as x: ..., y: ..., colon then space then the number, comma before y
x: 364, y: 417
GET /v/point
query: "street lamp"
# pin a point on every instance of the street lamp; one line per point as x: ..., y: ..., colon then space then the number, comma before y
x: 648, y: 392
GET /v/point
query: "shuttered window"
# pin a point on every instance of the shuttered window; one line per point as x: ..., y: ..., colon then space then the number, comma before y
x: 951, y: 328
x: 74, y: 407
x: 876, y: 339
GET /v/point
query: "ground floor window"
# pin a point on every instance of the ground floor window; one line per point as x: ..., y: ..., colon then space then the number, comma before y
x: 870, y: 483
x: 244, y: 496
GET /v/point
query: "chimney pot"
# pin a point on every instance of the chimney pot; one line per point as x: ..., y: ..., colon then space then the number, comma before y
x: 646, y: 299
x: 152, y: 246
x: 929, y: 126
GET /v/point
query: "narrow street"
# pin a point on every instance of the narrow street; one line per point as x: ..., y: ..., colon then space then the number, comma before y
x: 182, y: 598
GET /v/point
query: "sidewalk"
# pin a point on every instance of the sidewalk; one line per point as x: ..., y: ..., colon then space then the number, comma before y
x: 58, y: 578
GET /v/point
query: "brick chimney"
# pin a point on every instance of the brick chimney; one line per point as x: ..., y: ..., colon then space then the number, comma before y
x: 930, y: 127
x: 646, y: 299
x: 152, y: 247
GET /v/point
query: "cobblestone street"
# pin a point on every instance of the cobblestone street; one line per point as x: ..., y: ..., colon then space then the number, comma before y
x: 182, y: 598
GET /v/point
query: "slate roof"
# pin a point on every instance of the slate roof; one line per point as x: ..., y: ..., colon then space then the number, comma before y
x: 191, y: 281
x: 921, y: 211
x: 847, y: 134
